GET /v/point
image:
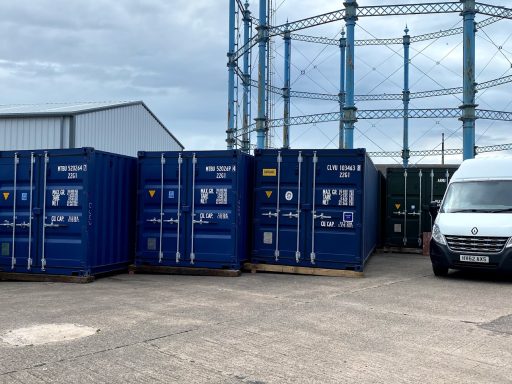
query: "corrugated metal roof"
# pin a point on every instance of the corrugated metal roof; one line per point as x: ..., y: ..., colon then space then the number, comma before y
x: 71, y: 109
x: 60, y: 108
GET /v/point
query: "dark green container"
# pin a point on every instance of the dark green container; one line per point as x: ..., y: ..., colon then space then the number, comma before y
x: 408, y: 195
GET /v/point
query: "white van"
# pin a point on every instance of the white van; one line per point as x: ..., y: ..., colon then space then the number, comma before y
x: 473, y: 227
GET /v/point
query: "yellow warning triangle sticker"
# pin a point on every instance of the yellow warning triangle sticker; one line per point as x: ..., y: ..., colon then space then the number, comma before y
x: 397, y: 206
x: 6, y: 195
x: 268, y: 193
x: 152, y: 193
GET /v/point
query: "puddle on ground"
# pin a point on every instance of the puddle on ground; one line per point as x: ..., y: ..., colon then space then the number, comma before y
x: 46, y: 334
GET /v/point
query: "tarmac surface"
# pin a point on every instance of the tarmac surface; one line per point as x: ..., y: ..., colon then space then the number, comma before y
x: 399, y: 324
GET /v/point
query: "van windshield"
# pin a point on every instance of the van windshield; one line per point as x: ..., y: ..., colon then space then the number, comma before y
x: 479, y: 196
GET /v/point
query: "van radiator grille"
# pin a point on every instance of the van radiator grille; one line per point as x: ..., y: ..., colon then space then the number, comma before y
x: 476, y: 244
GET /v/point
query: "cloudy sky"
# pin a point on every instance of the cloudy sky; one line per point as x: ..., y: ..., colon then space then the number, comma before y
x: 172, y: 55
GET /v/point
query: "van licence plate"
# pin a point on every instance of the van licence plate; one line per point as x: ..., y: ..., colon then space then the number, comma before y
x: 474, y: 259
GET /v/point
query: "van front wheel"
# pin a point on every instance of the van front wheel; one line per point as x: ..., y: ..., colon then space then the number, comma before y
x: 439, y: 270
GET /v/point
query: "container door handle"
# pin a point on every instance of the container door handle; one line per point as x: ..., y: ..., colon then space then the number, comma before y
x: 313, y: 212
x: 178, y: 254
x: 193, y: 213
x: 200, y: 221
x: 53, y: 225
x: 321, y: 216
x: 43, y: 254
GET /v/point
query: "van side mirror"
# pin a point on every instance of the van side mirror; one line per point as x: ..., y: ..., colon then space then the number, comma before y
x: 433, y: 209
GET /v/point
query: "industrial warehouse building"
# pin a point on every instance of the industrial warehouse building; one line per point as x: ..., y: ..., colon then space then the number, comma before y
x: 118, y: 127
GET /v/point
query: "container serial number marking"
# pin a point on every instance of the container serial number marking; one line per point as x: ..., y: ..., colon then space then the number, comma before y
x: 72, y: 168
x: 344, y: 167
x: 221, y: 168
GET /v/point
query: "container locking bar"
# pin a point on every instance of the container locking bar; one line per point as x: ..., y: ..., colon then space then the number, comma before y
x: 313, y: 212
x: 405, y: 208
x: 431, y: 193
x: 178, y: 212
x: 43, y: 255
x: 420, y: 239
x: 30, y: 214
x: 278, y: 207
x: 162, y: 163
x: 297, y: 215
x: 193, y: 213
x: 13, y: 224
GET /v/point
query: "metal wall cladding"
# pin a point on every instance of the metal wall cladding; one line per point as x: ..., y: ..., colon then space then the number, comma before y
x: 315, y: 208
x: 66, y: 212
x: 409, y: 193
x: 194, y: 209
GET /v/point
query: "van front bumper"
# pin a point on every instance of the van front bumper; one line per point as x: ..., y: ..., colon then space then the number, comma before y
x: 442, y: 256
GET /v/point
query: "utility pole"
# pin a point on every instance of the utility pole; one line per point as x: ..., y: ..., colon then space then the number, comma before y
x: 286, y: 89
x: 262, y: 48
x: 230, y: 140
x: 442, y: 148
x: 406, y: 98
x: 349, y: 115
x: 343, y: 47
x: 469, y: 86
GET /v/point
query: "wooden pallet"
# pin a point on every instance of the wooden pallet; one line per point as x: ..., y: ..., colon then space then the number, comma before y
x: 164, y: 270
x: 40, y: 278
x: 253, y: 268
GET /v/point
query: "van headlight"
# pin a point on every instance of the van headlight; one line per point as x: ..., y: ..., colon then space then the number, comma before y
x: 509, y: 244
x: 438, y: 236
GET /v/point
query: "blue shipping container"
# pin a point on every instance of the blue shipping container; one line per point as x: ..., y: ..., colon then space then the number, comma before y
x: 315, y: 208
x: 66, y: 212
x: 193, y: 209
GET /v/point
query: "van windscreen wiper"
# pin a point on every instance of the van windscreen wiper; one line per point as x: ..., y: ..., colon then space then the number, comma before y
x: 504, y: 210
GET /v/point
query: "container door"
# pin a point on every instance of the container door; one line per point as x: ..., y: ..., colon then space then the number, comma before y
x: 280, y: 211
x: 63, y: 240
x: 336, y: 195
x: 161, y: 201
x: 436, y: 183
x: 404, y: 207
x: 17, y: 198
x: 213, y: 200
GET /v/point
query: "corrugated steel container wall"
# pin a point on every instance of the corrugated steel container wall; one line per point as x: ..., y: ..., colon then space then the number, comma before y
x: 124, y: 130
x: 30, y: 133
x: 194, y: 208
x: 408, y: 195
x: 76, y: 219
x: 315, y: 208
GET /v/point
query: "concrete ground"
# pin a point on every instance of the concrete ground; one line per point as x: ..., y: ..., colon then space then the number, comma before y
x: 399, y: 324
